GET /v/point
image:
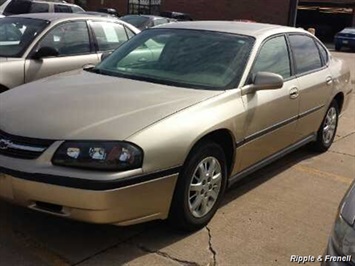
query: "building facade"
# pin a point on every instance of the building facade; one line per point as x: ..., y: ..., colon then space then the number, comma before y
x: 321, y: 14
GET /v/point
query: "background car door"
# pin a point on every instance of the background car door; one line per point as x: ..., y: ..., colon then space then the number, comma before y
x: 315, y: 82
x: 71, y: 40
x: 271, y: 114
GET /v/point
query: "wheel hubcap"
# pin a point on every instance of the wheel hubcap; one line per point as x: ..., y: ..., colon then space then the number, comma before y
x: 329, y: 125
x: 204, y: 187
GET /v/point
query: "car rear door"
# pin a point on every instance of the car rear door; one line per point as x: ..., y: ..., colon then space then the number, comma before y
x: 315, y: 82
x: 271, y: 114
x: 108, y: 35
x: 72, y: 41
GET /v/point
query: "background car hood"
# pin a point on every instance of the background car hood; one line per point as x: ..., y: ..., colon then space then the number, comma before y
x: 348, y: 206
x: 7, y: 59
x: 83, y: 105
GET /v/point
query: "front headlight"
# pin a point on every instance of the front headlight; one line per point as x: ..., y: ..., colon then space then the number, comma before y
x: 100, y: 155
x: 344, y: 237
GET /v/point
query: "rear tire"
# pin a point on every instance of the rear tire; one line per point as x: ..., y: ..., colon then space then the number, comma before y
x: 3, y: 89
x: 327, y: 131
x: 200, y: 187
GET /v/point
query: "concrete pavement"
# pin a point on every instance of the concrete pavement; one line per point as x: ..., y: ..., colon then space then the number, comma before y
x: 285, y: 209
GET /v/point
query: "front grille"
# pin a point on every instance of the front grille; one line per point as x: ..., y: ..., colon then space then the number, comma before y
x: 22, y: 147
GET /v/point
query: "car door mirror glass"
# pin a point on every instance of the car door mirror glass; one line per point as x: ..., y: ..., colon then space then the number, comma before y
x: 264, y: 81
x: 45, y: 51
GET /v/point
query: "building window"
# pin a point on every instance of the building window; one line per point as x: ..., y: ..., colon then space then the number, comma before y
x: 151, y: 7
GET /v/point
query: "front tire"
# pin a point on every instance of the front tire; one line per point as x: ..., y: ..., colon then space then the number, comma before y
x: 200, y: 187
x: 327, y: 131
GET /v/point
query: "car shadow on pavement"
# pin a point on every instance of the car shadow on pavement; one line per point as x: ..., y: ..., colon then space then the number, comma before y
x: 263, y: 175
x: 57, y: 241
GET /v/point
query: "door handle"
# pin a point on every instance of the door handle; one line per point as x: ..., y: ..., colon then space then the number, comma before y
x: 329, y: 81
x: 294, y: 93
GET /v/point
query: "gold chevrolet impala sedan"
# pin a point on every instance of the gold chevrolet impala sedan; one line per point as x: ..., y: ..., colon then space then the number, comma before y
x: 164, y: 125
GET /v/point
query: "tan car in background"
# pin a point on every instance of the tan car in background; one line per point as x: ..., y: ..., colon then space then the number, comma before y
x: 165, y: 124
x: 33, y: 46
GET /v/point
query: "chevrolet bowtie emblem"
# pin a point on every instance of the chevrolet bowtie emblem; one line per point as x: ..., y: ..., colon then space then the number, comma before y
x: 4, y: 144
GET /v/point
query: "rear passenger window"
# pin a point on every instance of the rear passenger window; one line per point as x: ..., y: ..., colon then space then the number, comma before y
x: 39, y: 8
x: 62, y: 9
x: 109, y: 35
x: 305, y: 53
x: 273, y: 57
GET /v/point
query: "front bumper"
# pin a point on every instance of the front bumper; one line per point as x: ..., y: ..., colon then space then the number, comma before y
x: 129, y: 204
x: 332, y: 254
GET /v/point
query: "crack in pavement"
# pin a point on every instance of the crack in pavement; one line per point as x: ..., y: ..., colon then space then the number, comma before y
x: 165, y: 255
x: 210, y: 247
x: 124, y: 241
x: 343, y: 137
x: 342, y: 153
x: 40, y: 250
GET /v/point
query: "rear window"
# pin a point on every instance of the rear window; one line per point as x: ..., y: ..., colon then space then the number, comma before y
x: 23, y: 7
x: 39, y: 8
x: 62, y: 9
x: 137, y: 21
x: 76, y: 9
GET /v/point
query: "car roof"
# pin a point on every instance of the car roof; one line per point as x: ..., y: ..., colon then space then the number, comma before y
x: 51, y: 2
x: 235, y: 27
x: 143, y: 15
x: 60, y: 16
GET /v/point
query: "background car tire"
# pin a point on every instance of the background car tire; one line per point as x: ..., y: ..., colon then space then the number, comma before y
x: 181, y: 216
x: 3, y: 89
x: 330, y: 121
x: 337, y: 47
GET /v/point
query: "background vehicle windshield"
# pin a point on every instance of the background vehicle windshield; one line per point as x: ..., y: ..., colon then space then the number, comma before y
x: 348, y: 30
x: 16, y: 34
x: 23, y: 7
x: 185, y: 58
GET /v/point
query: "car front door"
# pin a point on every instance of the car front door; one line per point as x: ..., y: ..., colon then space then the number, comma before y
x: 315, y: 82
x: 271, y: 114
x: 72, y: 42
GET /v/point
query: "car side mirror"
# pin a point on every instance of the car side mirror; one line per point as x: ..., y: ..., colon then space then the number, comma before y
x: 45, y: 51
x: 263, y: 81
x: 105, y: 55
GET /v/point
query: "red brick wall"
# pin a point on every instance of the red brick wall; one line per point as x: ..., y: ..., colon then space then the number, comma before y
x: 267, y: 11
x: 119, y: 5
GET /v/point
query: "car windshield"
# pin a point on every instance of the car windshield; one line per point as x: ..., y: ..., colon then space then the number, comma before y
x: 348, y: 30
x: 184, y: 58
x: 16, y: 34
x: 137, y: 21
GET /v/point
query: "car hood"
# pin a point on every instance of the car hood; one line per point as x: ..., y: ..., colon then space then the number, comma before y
x: 84, y: 105
x: 348, y: 206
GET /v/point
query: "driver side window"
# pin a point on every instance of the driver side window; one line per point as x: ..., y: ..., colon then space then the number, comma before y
x: 273, y: 57
x: 68, y: 39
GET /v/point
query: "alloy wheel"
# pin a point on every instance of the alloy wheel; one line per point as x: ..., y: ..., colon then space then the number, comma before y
x: 329, y: 125
x: 205, y: 187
